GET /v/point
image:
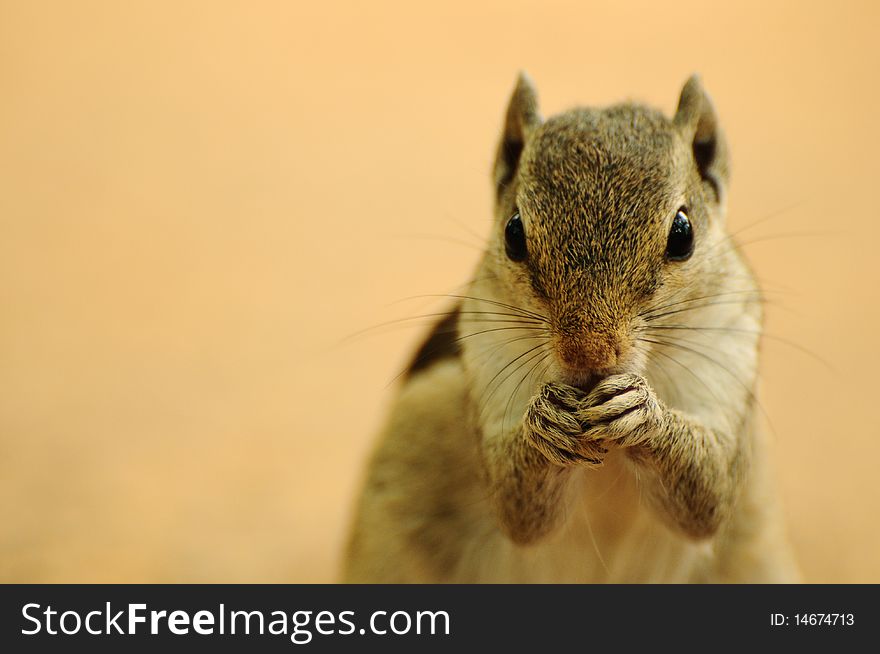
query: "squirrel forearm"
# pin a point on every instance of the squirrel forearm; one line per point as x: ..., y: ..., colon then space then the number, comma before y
x: 527, y: 490
x: 695, y: 472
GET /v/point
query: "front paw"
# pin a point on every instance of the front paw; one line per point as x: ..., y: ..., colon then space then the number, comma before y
x: 553, y: 427
x: 623, y: 409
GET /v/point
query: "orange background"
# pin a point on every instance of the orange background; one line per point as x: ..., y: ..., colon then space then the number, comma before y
x: 200, y: 201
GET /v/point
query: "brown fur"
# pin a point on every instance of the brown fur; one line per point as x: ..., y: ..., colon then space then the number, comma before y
x: 594, y: 417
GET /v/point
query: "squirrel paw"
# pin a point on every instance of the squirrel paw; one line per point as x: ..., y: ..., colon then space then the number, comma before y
x: 553, y: 427
x: 621, y: 408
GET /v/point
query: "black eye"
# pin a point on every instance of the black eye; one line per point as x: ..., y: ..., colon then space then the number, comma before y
x: 681, y: 237
x: 515, y: 238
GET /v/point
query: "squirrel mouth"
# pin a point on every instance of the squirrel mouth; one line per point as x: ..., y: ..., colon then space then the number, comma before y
x: 584, y: 380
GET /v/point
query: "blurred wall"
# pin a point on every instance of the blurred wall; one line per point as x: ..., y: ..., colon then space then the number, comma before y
x: 199, y: 202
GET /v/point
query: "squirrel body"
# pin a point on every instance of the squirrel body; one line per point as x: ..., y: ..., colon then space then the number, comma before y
x: 586, y: 410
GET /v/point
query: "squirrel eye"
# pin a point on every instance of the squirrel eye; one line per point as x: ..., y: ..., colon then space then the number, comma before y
x: 515, y: 238
x: 680, y: 243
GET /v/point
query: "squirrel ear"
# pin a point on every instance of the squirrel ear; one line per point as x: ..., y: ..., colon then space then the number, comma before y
x: 522, y: 117
x: 698, y: 123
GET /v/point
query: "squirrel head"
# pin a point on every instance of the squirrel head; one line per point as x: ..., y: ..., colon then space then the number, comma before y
x: 606, y: 215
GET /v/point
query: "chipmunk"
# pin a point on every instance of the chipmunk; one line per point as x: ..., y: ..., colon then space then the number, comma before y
x: 586, y: 410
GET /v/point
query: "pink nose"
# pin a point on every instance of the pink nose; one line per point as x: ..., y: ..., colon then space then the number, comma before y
x: 588, y: 352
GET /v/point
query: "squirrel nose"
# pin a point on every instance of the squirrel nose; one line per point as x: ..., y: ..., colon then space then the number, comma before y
x: 592, y: 351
